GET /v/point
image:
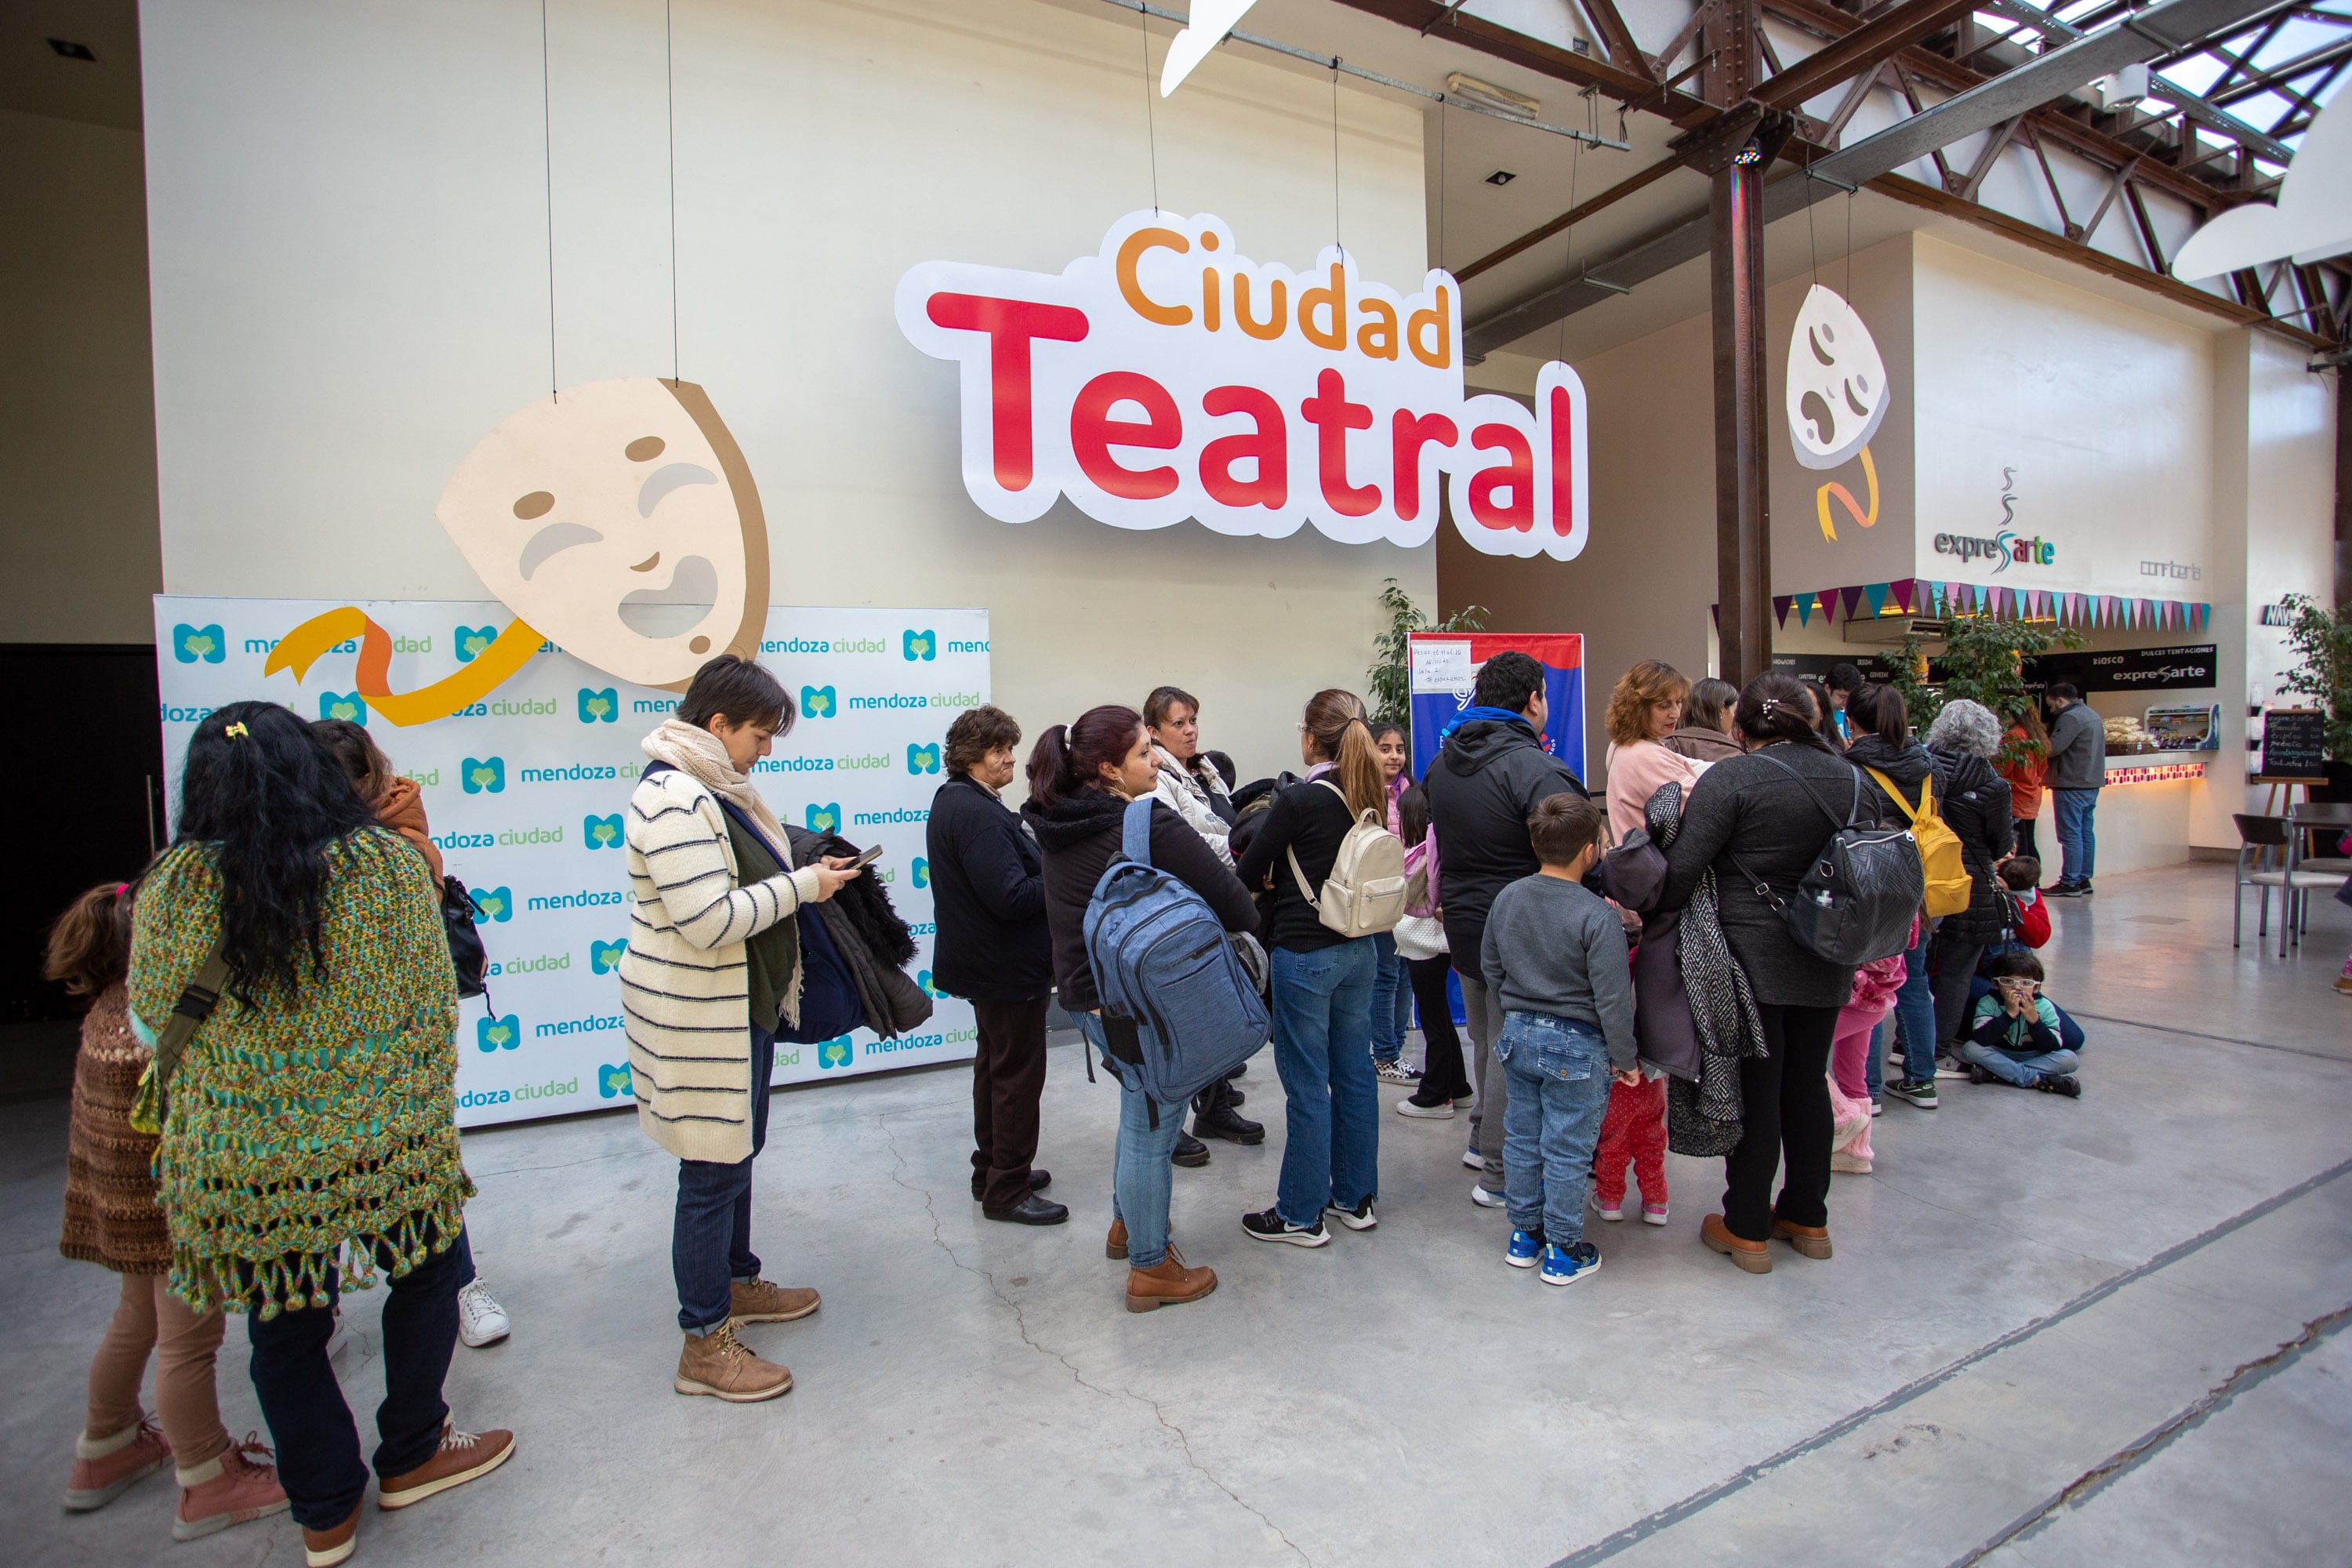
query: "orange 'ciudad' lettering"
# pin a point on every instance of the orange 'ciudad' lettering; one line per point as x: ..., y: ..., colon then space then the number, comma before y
x: 1438, y: 319
x: 1131, y: 288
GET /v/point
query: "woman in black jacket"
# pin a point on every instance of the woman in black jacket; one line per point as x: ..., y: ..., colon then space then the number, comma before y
x: 1763, y: 817
x: 1322, y: 981
x: 1081, y: 778
x: 1883, y: 743
x: 1964, y: 738
x: 987, y: 893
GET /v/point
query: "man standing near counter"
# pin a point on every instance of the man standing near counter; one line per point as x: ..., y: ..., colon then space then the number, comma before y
x: 2078, y: 767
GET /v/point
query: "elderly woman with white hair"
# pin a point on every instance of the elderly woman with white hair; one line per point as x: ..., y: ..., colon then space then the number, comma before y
x: 1975, y: 805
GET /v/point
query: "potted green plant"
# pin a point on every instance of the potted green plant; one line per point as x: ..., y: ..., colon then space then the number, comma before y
x: 2322, y: 640
x: 1982, y: 660
x: 1390, y: 675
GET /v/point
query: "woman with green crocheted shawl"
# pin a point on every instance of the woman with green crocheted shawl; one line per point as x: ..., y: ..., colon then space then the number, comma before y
x: 312, y: 1127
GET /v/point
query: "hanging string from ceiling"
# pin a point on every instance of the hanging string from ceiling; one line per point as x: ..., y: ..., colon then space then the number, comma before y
x: 547, y: 149
x: 669, y: 78
x: 1337, y: 242
x: 1150, y: 124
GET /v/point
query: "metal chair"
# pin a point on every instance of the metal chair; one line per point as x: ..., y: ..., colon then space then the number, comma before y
x: 2325, y: 870
x: 2263, y: 847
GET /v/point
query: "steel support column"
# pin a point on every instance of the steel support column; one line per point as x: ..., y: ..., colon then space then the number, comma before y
x: 1743, y: 544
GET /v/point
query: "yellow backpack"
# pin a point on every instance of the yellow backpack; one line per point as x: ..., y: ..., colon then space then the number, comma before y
x: 1949, y: 885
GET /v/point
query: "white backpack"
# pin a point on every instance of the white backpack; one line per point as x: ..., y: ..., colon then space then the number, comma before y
x: 1365, y: 891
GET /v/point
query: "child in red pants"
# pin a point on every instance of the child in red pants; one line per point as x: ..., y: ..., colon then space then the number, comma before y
x: 1633, y: 1130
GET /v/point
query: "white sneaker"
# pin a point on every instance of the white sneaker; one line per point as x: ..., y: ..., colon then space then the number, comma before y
x: 1474, y: 1160
x: 480, y: 1320
x: 1486, y: 1199
x: 1442, y: 1112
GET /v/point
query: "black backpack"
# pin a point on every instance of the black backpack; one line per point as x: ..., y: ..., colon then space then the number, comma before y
x: 466, y: 949
x: 1855, y: 902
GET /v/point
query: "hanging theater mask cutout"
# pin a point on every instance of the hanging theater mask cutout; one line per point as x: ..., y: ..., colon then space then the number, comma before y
x: 617, y: 519
x: 1837, y: 399
x: 1168, y: 376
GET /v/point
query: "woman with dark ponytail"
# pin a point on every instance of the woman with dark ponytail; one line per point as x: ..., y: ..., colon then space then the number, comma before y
x: 1756, y: 819
x: 1081, y: 778
x: 1322, y: 981
x: 311, y: 1124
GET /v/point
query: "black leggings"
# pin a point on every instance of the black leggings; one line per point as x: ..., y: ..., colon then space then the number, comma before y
x: 1786, y: 1109
x: 1442, y: 1076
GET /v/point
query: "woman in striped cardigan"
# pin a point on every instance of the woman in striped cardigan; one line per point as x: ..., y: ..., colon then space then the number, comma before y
x: 712, y: 972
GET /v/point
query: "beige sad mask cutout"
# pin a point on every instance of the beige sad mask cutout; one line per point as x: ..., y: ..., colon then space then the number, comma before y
x: 1837, y: 383
x: 620, y: 520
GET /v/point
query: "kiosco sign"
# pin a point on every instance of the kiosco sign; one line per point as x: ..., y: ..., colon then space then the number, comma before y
x: 1169, y: 376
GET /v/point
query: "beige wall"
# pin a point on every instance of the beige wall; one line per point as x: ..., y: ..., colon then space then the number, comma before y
x: 351, y: 287
x: 77, y: 411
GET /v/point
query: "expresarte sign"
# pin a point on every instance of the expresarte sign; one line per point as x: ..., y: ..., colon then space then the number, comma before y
x: 1168, y: 376
x: 527, y: 791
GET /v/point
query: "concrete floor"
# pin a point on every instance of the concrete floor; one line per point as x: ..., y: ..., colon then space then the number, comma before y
x: 2052, y: 1335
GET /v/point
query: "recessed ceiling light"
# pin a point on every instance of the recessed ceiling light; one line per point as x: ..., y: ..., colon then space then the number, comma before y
x: 1501, y: 177
x: 71, y: 50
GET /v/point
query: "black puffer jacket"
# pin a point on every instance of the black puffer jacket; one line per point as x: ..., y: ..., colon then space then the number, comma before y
x: 870, y: 937
x: 1975, y: 804
x: 1483, y: 783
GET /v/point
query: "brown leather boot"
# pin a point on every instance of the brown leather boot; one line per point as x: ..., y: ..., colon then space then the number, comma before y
x: 1749, y: 1255
x: 717, y: 1363
x: 325, y: 1548
x: 1170, y: 1284
x: 762, y: 1302
x: 1115, y: 1244
x: 461, y: 1456
x: 1811, y: 1240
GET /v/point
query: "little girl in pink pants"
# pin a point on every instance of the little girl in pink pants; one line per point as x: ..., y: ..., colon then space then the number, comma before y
x: 1874, y: 985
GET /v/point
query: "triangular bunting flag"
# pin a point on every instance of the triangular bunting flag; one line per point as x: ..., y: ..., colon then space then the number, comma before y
x: 1875, y: 595
x: 1853, y: 597
x: 1905, y: 590
x: 1981, y: 594
x: 1804, y: 602
x: 1780, y: 602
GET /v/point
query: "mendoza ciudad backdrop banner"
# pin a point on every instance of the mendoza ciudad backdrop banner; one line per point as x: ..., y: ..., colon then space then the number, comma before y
x: 526, y: 789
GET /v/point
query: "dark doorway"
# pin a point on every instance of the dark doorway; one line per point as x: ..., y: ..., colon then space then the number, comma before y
x: 100, y: 811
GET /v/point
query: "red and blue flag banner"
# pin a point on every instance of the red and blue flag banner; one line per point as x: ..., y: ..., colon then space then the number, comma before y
x: 1445, y: 670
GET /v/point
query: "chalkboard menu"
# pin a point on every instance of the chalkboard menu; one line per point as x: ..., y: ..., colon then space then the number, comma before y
x: 2126, y: 670
x: 2293, y: 741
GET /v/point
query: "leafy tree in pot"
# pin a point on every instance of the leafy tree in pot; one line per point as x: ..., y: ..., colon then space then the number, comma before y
x: 1982, y: 660
x: 2322, y: 640
x: 1390, y: 675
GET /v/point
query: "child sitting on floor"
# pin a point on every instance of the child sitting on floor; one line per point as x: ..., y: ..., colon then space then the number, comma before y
x: 2013, y: 1037
x: 1555, y: 954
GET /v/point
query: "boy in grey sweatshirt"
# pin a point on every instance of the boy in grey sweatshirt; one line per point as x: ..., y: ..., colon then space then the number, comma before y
x: 1555, y: 955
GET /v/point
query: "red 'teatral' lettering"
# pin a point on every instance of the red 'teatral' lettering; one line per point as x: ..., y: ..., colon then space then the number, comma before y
x: 1010, y: 325
x: 1269, y: 445
x: 1333, y: 416
x: 1563, y: 463
x: 1516, y: 474
x: 1093, y: 433
x: 1410, y: 432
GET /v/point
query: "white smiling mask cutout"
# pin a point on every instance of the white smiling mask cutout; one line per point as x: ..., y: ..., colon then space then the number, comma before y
x: 620, y: 520
x: 1837, y: 383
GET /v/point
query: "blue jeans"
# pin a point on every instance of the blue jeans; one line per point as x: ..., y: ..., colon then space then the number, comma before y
x: 1559, y: 1069
x: 1140, y: 1178
x: 1872, y: 1059
x: 710, y: 1237
x: 1322, y: 1038
x: 2021, y: 1071
x: 2078, y: 844
x: 1914, y: 1010
x: 1391, y: 1000
x: 301, y: 1403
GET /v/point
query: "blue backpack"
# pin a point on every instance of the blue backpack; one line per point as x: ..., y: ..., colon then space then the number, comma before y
x: 1179, y: 1009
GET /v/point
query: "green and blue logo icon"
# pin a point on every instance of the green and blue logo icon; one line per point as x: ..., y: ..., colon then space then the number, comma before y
x: 492, y: 904
x: 919, y: 644
x: 834, y: 1053
x: 190, y: 643
x: 605, y: 957
x: 922, y: 759
x: 922, y: 872
x: 483, y: 773
x: 600, y: 832
x: 595, y: 706
x: 613, y: 1082
x: 819, y: 702
x: 493, y: 1033
x: 923, y: 979
x: 471, y: 640
x: 347, y: 705
x: 823, y: 818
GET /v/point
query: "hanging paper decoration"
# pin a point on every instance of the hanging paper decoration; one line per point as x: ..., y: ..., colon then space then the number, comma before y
x: 1837, y: 398
x: 1875, y: 594
x: 1780, y: 602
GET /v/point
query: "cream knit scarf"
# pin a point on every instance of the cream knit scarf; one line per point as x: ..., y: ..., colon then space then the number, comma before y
x: 699, y: 754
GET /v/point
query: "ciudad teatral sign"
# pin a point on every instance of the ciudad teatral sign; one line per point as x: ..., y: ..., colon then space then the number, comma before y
x: 1168, y: 376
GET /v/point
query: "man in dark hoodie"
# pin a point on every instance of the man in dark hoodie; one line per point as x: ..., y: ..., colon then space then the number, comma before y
x: 1486, y: 780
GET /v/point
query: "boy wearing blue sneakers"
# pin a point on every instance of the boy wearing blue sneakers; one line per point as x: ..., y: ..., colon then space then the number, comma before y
x: 1554, y: 956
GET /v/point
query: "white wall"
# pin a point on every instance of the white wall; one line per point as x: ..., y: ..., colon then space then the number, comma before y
x: 348, y: 220
x: 76, y: 421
